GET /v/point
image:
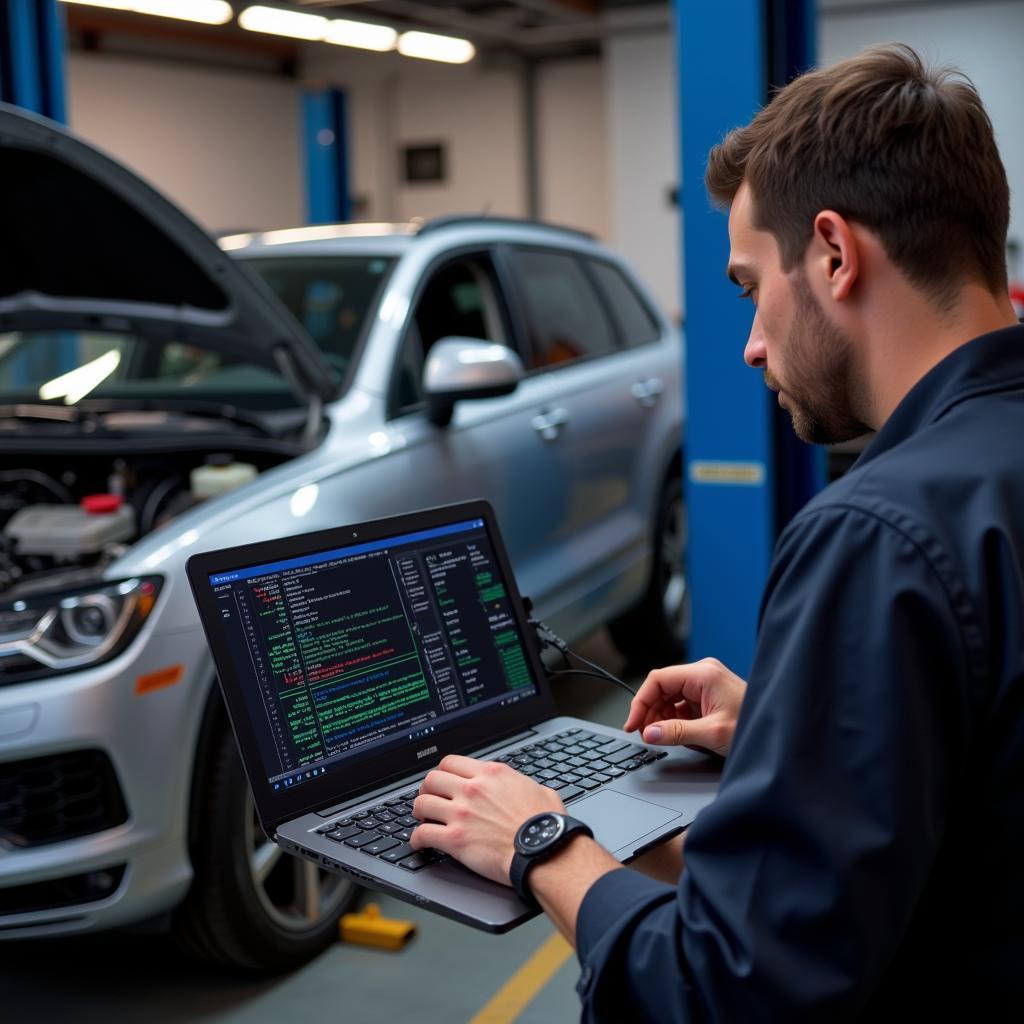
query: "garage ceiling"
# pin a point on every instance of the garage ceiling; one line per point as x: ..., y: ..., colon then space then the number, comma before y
x: 528, y: 29
x: 538, y: 27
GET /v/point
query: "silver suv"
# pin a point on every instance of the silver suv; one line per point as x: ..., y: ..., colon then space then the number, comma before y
x: 157, y: 399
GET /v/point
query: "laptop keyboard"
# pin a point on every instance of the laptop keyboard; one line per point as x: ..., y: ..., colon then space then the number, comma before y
x: 572, y: 763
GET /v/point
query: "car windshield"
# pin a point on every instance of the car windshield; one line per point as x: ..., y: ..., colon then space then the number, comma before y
x: 68, y: 366
x: 331, y: 296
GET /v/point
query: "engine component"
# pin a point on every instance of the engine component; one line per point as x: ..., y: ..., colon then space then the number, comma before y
x: 21, y: 487
x: 68, y: 532
x: 219, y: 475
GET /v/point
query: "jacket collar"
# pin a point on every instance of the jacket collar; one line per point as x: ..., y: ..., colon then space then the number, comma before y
x: 990, y: 363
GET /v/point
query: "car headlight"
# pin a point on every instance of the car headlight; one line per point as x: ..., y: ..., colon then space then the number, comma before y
x: 44, y: 635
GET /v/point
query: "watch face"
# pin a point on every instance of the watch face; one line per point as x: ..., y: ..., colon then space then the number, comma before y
x: 539, y: 831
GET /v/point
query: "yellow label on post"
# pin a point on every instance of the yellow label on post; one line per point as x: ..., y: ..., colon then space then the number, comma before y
x: 743, y: 474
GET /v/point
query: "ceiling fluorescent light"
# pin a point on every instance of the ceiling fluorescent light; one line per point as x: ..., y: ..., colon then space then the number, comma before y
x: 207, y: 12
x: 114, y: 5
x: 279, y: 22
x: 428, y: 46
x: 361, y: 34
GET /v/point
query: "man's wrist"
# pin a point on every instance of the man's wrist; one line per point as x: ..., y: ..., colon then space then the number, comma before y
x: 560, y: 883
x: 559, y: 856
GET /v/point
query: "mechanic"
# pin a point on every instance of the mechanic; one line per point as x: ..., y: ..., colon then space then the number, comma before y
x: 864, y: 854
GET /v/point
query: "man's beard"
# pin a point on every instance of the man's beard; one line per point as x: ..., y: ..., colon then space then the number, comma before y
x: 821, y: 386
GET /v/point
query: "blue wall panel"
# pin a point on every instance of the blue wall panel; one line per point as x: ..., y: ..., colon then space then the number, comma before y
x: 325, y: 126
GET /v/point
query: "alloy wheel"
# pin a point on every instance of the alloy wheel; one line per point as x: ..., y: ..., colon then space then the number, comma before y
x: 675, y: 594
x: 294, y: 893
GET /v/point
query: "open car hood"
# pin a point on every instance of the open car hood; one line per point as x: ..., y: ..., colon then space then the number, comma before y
x: 86, y: 244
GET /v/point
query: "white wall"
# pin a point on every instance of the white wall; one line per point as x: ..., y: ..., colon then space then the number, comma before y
x: 223, y: 145
x: 985, y: 40
x: 573, y: 147
x: 643, y: 151
x: 474, y: 110
x: 227, y: 145
x: 478, y: 112
x: 479, y: 115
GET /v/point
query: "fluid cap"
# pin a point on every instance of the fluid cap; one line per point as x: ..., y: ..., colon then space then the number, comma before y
x: 101, y: 504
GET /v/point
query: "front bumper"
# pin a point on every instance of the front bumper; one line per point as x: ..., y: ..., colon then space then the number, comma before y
x: 136, y: 864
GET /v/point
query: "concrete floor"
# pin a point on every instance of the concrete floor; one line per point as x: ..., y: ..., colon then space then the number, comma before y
x: 448, y: 973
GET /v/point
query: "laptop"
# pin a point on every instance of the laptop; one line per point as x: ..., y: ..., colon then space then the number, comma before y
x: 352, y: 660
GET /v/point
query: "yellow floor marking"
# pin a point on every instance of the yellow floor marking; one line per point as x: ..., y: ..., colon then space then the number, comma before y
x: 516, y: 994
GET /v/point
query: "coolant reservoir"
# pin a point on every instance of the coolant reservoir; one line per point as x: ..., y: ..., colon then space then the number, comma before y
x: 69, y: 532
x: 220, y: 475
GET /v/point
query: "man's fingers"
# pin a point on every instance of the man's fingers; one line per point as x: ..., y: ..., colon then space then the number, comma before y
x: 441, y: 783
x: 428, y: 807
x: 662, y: 686
x: 711, y: 733
x: 672, y: 685
x: 667, y: 733
x: 467, y: 767
x: 426, y: 836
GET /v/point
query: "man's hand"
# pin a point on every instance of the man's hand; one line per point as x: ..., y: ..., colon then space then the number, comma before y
x: 473, y: 809
x: 694, y: 705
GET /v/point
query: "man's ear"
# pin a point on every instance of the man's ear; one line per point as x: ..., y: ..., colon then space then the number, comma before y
x: 833, y: 254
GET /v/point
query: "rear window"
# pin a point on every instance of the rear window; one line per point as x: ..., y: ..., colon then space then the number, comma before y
x: 566, y: 318
x: 636, y: 321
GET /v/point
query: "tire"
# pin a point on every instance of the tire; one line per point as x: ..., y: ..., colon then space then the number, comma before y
x: 656, y: 630
x: 252, y: 907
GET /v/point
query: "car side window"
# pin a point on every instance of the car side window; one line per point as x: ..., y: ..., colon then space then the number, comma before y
x: 565, y: 315
x: 460, y: 300
x: 637, y: 323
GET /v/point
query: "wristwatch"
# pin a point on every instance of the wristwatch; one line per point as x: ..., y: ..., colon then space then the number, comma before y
x: 537, y: 839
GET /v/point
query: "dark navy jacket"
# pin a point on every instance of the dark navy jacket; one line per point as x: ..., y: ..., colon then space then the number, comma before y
x: 865, y: 854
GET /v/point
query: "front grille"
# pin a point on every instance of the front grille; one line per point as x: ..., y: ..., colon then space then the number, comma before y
x: 63, y: 796
x: 61, y: 892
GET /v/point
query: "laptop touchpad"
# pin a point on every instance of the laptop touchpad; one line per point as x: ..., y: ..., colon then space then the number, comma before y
x: 618, y: 820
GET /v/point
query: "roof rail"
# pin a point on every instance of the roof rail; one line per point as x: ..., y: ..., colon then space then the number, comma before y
x: 460, y: 219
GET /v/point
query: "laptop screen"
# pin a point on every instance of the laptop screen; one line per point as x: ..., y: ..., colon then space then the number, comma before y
x: 356, y: 650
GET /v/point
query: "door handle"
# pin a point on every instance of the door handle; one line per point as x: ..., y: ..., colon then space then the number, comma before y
x: 549, y: 424
x: 647, y: 392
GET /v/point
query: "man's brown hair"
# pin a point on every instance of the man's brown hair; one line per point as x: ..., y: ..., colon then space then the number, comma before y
x: 903, y: 150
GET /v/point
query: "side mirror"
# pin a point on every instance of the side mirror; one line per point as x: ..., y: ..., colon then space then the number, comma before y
x: 460, y: 369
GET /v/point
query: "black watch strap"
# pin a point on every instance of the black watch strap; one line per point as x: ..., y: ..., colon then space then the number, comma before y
x: 531, y: 847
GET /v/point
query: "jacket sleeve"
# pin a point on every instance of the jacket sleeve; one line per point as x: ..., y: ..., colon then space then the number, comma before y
x: 802, y: 876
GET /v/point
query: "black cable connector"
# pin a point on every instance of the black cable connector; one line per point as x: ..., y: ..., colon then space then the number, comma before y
x: 548, y: 638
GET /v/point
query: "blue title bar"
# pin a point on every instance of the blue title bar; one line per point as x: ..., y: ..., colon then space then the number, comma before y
x: 354, y: 549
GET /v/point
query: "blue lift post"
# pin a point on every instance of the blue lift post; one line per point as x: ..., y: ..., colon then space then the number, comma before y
x: 32, y: 76
x: 746, y: 473
x: 325, y: 120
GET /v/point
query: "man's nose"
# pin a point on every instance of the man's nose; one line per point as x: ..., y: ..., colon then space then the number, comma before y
x: 756, y: 352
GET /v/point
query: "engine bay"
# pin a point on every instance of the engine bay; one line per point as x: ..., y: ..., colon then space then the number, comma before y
x: 64, y: 517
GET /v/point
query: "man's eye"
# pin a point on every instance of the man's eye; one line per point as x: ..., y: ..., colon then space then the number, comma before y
x: 747, y: 293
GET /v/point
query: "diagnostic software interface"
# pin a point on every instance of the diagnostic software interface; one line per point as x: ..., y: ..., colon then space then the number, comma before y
x: 372, y: 645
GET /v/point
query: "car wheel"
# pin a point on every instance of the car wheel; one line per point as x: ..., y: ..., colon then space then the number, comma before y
x: 656, y: 630
x: 252, y: 906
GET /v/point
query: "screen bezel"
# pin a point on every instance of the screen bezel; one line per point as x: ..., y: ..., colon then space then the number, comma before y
x: 337, y: 786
